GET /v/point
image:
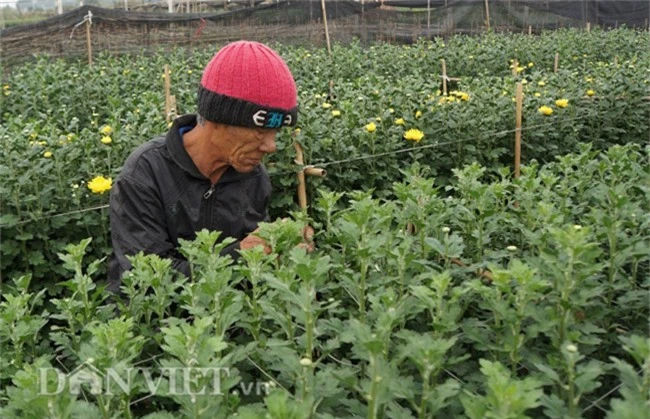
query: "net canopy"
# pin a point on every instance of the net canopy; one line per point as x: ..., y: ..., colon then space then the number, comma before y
x: 301, y: 22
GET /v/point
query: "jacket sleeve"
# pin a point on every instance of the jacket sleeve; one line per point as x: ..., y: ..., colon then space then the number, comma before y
x: 137, y: 217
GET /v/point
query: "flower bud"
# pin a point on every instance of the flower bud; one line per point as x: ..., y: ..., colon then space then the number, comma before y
x: 305, y: 362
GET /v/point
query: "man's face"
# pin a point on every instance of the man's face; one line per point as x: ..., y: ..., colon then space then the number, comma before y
x: 247, y: 146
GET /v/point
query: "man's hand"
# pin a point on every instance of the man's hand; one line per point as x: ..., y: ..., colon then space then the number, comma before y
x: 252, y: 240
x: 307, y: 239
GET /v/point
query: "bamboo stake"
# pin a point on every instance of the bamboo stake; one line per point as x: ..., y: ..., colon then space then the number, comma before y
x: 88, y: 44
x: 444, y: 77
x: 530, y: 30
x: 588, y: 27
x: 315, y: 171
x: 172, y: 107
x: 515, y: 64
x: 304, y: 171
x: 302, y: 187
x: 487, y: 13
x: 519, y: 99
x: 327, y: 32
x: 167, y: 94
x: 557, y: 62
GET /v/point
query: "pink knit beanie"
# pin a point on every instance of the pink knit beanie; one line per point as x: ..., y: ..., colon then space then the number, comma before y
x: 248, y: 84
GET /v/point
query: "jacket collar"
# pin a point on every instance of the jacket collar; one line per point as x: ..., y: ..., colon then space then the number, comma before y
x: 179, y: 155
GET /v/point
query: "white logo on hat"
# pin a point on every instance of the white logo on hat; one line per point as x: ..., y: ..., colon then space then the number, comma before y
x: 259, y: 117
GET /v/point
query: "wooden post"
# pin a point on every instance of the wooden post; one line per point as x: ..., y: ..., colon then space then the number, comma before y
x: 302, y: 187
x: 168, y: 100
x: 172, y: 107
x: 530, y: 30
x: 519, y: 99
x: 327, y: 32
x: 487, y: 14
x: 557, y: 62
x: 89, y: 46
x: 428, y: 15
x: 444, y: 77
x: 304, y: 171
x: 515, y: 64
x: 588, y: 27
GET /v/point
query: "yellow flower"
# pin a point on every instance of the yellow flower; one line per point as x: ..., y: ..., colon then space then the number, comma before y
x: 106, y: 130
x: 562, y: 103
x: 391, y: 110
x: 418, y: 114
x: 327, y: 105
x: 399, y: 121
x: 447, y: 99
x: 590, y: 92
x: 589, y: 79
x: 106, y: 139
x: 459, y: 95
x: 414, y: 135
x: 189, y: 71
x: 336, y: 113
x: 70, y: 137
x: 545, y: 110
x: 371, y: 127
x: 520, y: 69
x: 378, y: 119
x: 42, y: 143
x: 296, y: 131
x: 6, y: 87
x: 530, y: 65
x: 47, y: 154
x: 537, y: 94
x: 100, y: 184
x: 33, y: 135
x: 541, y: 84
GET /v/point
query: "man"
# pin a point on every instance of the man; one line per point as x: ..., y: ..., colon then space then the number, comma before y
x: 206, y: 172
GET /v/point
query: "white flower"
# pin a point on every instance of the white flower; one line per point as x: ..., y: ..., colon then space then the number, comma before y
x: 446, y: 230
x: 512, y: 248
x: 572, y: 348
x: 577, y: 227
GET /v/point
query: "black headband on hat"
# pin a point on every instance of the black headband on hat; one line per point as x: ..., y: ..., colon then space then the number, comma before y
x: 216, y: 107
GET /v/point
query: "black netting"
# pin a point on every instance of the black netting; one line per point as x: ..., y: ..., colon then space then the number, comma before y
x: 301, y: 22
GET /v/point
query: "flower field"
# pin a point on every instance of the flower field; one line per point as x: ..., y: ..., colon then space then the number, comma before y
x: 441, y: 286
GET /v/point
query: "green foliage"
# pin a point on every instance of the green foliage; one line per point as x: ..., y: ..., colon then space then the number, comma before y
x: 440, y: 285
x: 61, y: 107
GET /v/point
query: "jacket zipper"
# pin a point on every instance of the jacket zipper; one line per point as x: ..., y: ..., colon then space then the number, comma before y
x: 209, y: 192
